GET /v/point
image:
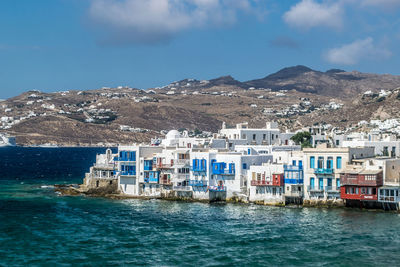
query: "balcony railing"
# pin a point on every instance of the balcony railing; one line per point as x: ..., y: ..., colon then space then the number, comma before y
x: 128, y: 173
x: 181, y: 176
x: 387, y: 199
x: 217, y: 189
x: 294, y: 181
x: 181, y: 162
x: 197, y: 183
x: 323, y: 171
x: 260, y: 183
x: 198, y: 169
x: 182, y: 188
x: 292, y: 168
x: 165, y: 182
x: 331, y: 189
x: 315, y: 189
x: 223, y: 172
x: 124, y: 159
x: 162, y: 166
x: 151, y: 180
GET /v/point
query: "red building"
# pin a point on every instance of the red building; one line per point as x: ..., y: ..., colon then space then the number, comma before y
x: 277, y: 180
x: 360, y: 184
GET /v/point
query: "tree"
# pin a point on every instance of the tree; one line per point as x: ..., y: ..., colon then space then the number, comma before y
x: 303, y: 139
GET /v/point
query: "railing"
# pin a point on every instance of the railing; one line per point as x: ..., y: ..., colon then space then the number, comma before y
x: 198, y: 169
x: 151, y: 180
x: 323, y: 171
x: 261, y: 183
x: 197, y: 183
x: 387, y: 199
x: 330, y: 189
x: 162, y: 166
x: 292, y: 168
x: 182, y: 162
x: 223, y: 172
x: 123, y: 159
x: 182, y: 188
x: 345, y: 180
x: 104, y: 165
x: 217, y: 189
x: 165, y: 182
x: 294, y: 181
x: 128, y: 173
x: 314, y: 189
x: 181, y: 176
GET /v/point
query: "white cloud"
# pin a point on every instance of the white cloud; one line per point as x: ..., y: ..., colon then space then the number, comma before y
x: 157, y: 20
x: 309, y: 13
x: 356, y: 51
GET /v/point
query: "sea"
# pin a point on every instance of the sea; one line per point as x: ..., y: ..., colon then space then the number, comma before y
x: 41, y: 228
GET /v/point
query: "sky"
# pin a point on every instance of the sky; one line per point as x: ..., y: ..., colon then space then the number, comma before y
x: 53, y: 45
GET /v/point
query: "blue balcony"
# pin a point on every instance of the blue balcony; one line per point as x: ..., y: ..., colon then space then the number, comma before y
x: 197, y: 183
x: 152, y: 180
x: 294, y: 181
x: 126, y: 156
x: 198, y: 169
x: 217, y: 189
x: 223, y: 172
x: 323, y: 171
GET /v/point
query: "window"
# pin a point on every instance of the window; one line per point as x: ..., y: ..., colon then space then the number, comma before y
x: 248, y: 151
x: 312, y: 162
x: 338, y: 162
x: 370, y: 177
x: 329, y: 163
x: 293, y: 162
x: 243, y: 136
x: 337, y: 142
x: 264, y: 136
x: 254, y: 137
x: 244, y: 166
x: 320, y: 162
x: 272, y: 136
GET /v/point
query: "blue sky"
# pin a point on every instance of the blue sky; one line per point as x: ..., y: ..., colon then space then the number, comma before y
x: 53, y: 45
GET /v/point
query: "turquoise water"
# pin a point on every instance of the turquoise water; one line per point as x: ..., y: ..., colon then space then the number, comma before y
x: 38, y: 227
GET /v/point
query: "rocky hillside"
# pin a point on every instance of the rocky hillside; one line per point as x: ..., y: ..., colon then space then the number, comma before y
x: 295, y: 97
x: 334, y: 82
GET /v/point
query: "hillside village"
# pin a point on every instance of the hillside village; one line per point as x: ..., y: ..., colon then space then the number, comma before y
x: 109, y: 116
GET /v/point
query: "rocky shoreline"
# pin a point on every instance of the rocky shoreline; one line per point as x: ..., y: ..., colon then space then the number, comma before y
x: 112, y: 193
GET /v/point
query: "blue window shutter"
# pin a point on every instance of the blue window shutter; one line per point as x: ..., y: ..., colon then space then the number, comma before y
x: 312, y: 162
x: 338, y: 162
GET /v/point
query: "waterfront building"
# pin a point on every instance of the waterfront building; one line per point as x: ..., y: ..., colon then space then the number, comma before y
x: 294, y: 179
x: 134, y: 163
x: 266, y: 184
x: 102, y: 174
x: 322, y: 167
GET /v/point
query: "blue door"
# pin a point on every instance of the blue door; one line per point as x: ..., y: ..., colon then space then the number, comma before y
x: 321, y: 183
x: 312, y: 183
x: 337, y: 183
x: 300, y: 164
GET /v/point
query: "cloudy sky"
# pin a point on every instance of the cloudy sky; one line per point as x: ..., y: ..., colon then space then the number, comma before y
x: 54, y: 45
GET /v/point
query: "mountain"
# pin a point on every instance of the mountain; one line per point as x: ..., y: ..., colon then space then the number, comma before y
x: 335, y: 82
